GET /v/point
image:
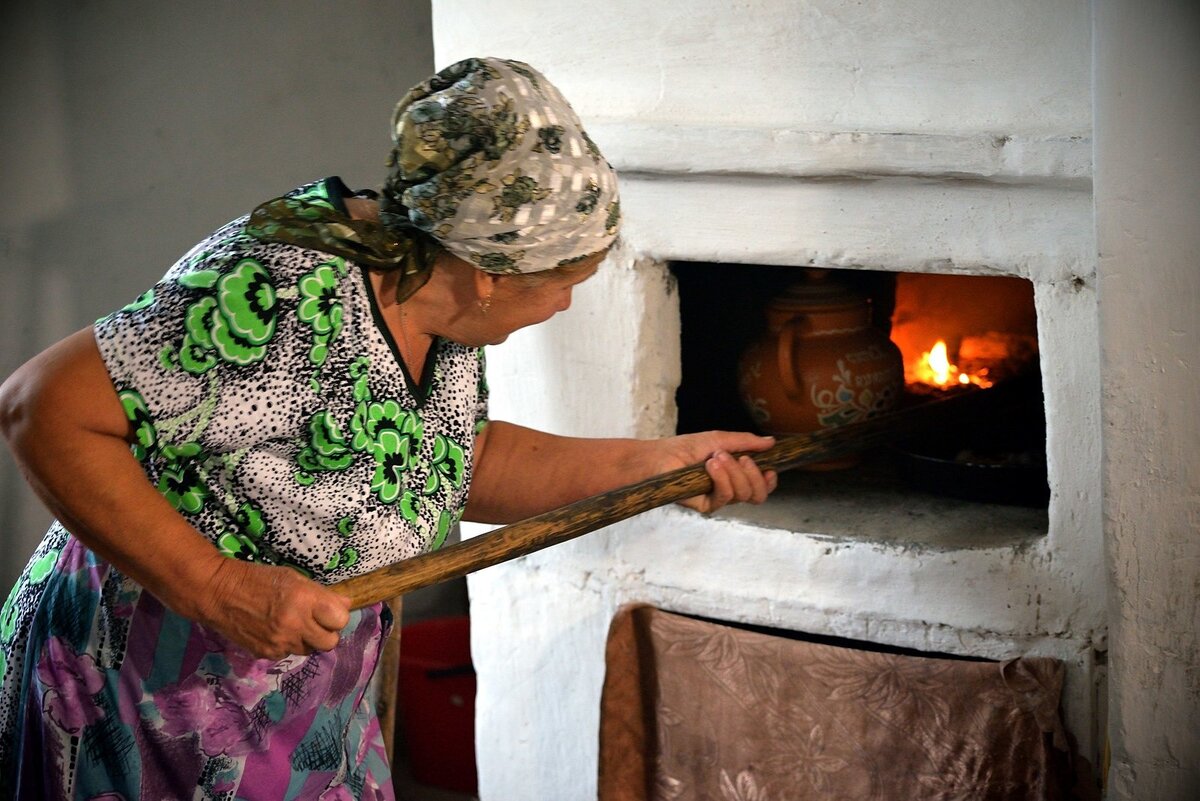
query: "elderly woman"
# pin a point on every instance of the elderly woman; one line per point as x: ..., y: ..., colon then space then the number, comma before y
x: 299, y: 400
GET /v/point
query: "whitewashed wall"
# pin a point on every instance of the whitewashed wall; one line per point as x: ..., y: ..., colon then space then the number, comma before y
x: 930, y: 66
x: 1147, y: 215
x: 131, y: 129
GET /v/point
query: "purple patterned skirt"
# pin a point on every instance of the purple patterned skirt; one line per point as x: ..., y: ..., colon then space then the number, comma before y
x: 107, y: 694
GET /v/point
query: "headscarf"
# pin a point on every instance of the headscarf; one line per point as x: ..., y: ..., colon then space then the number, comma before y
x: 491, y: 163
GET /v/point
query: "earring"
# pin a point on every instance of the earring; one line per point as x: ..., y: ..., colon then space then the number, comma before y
x: 485, y: 304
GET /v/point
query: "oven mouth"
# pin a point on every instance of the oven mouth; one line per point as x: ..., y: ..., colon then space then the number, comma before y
x: 987, y: 476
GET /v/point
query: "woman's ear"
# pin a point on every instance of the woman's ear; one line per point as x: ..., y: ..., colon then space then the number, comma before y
x: 485, y: 284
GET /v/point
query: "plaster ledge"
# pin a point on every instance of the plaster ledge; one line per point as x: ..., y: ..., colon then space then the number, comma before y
x: 662, y: 148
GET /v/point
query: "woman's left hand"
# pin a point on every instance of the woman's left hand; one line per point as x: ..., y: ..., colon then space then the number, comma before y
x: 735, y: 479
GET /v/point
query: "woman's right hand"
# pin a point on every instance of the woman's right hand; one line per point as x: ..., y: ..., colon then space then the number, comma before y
x: 271, y: 611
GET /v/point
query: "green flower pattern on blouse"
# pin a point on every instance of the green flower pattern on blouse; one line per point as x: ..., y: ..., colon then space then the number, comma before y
x: 233, y: 321
x: 182, y: 483
x: 145, y: 436
x: 449, y: 464
x: 246, y: 322
x: 42, y: 567
x: 344, y: 558
x: 244, y: 542
x: 359, y: 372
x: 248, y: 540
x: 142, y: 301
x: 182, y: 480
x: 326, y: 450
x: 393, y: 438
x: 320, y: 306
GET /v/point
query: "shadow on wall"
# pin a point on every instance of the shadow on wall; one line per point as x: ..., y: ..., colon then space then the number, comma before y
x: 143, y: 126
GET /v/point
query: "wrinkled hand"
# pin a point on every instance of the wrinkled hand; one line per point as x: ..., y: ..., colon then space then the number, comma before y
x: 271, y: 611
x: 735, y: 480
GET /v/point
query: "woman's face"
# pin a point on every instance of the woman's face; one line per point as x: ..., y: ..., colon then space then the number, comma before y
x: 516, y: 303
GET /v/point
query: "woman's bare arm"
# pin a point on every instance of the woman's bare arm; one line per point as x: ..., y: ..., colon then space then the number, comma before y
x: 519, y: 472
x: 66, y: 427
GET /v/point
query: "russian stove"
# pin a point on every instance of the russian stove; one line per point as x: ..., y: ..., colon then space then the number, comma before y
x: 917, y: 137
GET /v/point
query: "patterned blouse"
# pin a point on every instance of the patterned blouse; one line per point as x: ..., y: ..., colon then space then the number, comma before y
x: 273, y: 410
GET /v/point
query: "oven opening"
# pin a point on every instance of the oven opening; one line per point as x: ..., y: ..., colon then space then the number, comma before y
x: 790, y: 350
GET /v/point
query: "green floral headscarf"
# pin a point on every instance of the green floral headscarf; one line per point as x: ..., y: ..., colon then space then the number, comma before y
x: 489, y: 162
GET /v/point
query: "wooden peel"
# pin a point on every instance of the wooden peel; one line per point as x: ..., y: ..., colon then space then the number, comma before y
x: 570, y: 521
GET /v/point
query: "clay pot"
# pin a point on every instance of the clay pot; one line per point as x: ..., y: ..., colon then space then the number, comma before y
x: 820, y: 363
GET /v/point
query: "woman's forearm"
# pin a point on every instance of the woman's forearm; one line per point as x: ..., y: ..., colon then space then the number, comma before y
x: 519, y: 472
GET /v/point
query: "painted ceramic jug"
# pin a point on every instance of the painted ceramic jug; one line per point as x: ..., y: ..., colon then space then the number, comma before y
x: 820, y: 363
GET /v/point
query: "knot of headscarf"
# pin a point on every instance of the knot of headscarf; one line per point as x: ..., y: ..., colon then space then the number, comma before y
x: 314, y: 216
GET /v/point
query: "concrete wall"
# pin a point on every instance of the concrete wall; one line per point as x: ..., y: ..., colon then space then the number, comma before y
x: 1147, y: 101
x: 131, y: 128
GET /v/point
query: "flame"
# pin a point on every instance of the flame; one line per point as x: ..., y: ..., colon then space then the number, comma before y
x: 935, y: 368
x: 938, y: 364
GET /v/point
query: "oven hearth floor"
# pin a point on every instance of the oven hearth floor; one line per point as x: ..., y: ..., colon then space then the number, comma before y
x: 872, y: 503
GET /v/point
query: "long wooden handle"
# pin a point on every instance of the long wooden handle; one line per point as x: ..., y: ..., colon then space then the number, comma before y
x: 570, y: 521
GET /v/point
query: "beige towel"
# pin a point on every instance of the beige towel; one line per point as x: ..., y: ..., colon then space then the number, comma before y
x: 697, y: 711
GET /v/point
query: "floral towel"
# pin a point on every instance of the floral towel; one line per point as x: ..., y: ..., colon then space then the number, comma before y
x: 697, y: 711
